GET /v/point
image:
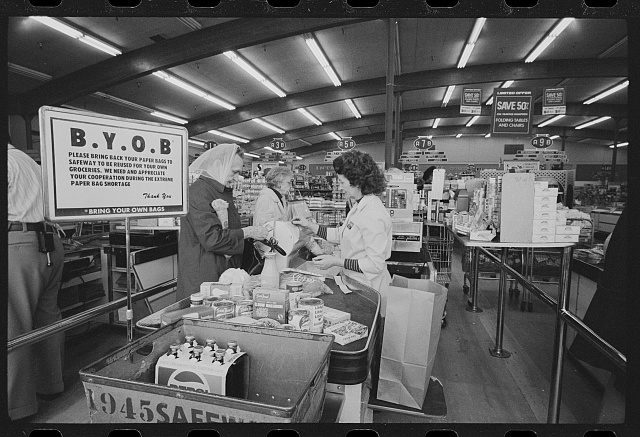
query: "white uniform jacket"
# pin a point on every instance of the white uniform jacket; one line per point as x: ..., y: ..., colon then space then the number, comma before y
x: 268, y: 207
x: 366, y: 236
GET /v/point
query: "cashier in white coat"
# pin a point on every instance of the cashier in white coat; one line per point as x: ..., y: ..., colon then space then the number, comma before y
x: 365, y: 236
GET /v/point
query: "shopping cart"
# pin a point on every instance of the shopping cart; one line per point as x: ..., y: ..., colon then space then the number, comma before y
x: 439, y: 242
x: 489, y: 270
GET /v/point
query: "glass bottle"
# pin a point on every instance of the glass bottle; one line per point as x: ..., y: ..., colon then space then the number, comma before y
x: 270, y: 278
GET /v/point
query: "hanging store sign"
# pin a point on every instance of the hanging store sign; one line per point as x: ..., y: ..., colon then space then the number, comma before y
x: 288, y: 156
x: 423, y: 143
x: 209, y: 145
x: 346, y: 144
x: 471, y: 101
x: 541, y: 142
x: 302, y: 167
x: 512, y: 111
x: 99, y: 167
x: 554, y: 101
x: 277, y: 144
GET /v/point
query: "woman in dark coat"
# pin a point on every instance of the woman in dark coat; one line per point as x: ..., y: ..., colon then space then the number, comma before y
x: 210, y: 242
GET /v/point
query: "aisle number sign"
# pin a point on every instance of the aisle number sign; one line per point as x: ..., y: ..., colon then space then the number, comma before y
x: 277, y: 144
x: 471, y: 101
x: 512, y: 111
x: 98, y: 167
x: 423, y: 143
x: 541, y: 142
x: 346, y: 144
x: 554, y: 101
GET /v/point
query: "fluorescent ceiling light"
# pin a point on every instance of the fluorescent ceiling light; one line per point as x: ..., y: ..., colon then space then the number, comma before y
x: 468, y: 48
x: 255, y: 73
x: 613, y: 48
x: 268, y: 125
x: 229, y: 136
x: 198, y: 142
x: 74, y: 33
x: 272, y: 149
x: 353, y: 108
x: 190, y: 22
x: 190, y: 88
x: 335, y: 136
x: 473, y: 120
x: 488, y: 135
x: 489, y: 102
x: 122, y: 102
x: 251, y: 155
x: 24, y: 71
x: 447, y: 95
x: 507, y: 84
x: 592, y: 122
x: 169, y: 117
x: 429, y: 136
x: 608, y: 92
x: 324, y: 63
x: 435, y: 123
x: 59, y: 26
x: 299, y: 157
x: 458, y: 136
x: 555, y: 137
x: 309, y: 116
x: 625, y: 144
x: 93, y: 42
x: 542, y: 45
x: 551, y: 120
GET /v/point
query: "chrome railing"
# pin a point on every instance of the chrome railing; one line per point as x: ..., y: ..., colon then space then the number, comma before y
x: 563, y: 318
x: 40, y: 334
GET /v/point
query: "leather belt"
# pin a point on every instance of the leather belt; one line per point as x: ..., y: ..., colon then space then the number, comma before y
x: 19, y: 226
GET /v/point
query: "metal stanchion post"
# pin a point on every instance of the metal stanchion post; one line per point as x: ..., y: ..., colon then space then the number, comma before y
x: 497, y: 351
x: 127, y: 229
x: 472, y: 304
x: 560, y: 338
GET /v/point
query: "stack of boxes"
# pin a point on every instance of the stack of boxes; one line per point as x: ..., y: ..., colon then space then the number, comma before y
x: 566, y: 233
x: 544, y: 213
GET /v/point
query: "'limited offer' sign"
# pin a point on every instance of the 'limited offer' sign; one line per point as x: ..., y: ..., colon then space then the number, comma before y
x: 512, y: 110
x: 99, y: 167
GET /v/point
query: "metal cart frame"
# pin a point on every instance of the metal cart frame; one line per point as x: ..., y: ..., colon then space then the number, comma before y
x: 439, y: 244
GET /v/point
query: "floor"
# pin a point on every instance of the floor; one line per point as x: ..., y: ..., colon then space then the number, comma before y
x: 478, y: 388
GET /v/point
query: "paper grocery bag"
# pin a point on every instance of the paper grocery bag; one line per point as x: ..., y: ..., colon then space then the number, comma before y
x: 411, y: 335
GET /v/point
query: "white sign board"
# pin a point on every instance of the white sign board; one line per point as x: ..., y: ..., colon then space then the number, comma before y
x: 99, y: 167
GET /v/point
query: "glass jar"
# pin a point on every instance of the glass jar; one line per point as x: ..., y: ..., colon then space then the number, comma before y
x: 270, y: 278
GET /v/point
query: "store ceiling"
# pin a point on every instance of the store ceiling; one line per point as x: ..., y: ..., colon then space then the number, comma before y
x: 590, y: 56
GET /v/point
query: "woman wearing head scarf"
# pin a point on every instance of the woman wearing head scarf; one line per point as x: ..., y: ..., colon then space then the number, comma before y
x: 271, y: 203
x: 211, y: 232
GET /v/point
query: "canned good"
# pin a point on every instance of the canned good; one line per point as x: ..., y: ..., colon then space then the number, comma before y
x: 244, y: 308
x: 196, y: 299
x: 208, y: 301
x: 223, y: 309
x: 299, y: 319
x: 294, y: 286
x: 314, y: 306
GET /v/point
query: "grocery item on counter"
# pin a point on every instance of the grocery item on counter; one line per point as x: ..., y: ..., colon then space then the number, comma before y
x: 347, y: 332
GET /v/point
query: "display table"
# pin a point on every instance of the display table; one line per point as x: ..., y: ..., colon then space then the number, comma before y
x: 564, y: 285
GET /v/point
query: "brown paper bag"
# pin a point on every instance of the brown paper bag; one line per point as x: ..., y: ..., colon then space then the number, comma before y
x: 411, y: 335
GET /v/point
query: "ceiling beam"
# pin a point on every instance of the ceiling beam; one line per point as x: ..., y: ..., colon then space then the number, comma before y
x: 595, y: 134
x: 575, y: 109
x: 165, y: 54
x: 575, y: 68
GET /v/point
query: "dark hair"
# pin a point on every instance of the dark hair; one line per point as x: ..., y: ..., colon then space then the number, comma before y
x: 240, y: 152
x: 428, y: 173
x: 361, y: 171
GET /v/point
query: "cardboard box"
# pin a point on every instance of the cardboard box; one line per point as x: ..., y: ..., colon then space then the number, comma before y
x: 541, y: 184
x: 544, y: 199
x: 198, y: 312
x: 542, y: 238
x: 347, y: 332
x: 538, y: 191
x: 544, y: 215
x: 540, y: 205
x: 332, y: 316
x: 215, y: 289
x: 166, y: 221
x: 271, y: 303
x: 567, y: 230
x: 567, y: 238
